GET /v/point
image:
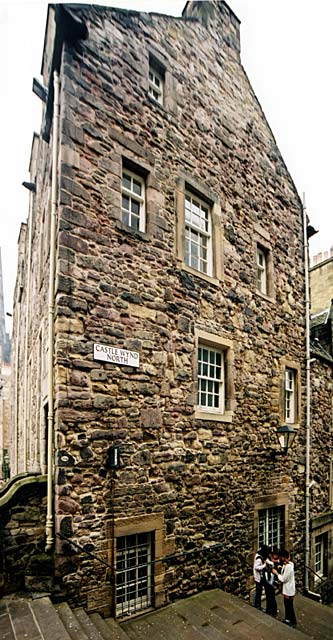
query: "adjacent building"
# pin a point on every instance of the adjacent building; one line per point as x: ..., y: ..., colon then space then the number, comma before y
x: 321, y: 280
x: 5, y: 394
x: 159, y: 322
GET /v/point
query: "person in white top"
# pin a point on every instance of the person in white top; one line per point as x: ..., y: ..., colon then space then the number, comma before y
x: 259, y: 565
x: 287, y: 577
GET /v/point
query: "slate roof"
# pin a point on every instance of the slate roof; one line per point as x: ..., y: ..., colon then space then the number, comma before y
x: 320, y: 318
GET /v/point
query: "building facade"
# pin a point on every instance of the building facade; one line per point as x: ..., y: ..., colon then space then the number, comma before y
x: 5, y: 388
x: 159, y: 332
x: 321, y: 280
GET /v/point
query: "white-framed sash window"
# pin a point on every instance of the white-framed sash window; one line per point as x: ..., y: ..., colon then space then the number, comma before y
x: 198, y: 234
x: 133, y: 205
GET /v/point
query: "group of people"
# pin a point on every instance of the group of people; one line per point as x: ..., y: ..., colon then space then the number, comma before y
x: 272, y: 568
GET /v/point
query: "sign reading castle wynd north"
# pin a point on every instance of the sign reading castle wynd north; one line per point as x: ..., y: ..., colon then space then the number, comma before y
x: 116, y: 356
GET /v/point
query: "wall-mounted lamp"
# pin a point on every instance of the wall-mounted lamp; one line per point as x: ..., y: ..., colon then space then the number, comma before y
x: 285, y: 436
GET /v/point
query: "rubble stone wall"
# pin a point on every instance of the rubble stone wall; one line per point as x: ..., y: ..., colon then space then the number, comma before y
x: 23, y: 563
x: 131, y: 290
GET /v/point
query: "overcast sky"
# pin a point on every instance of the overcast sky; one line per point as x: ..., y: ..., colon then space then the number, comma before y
x: 287, y: 51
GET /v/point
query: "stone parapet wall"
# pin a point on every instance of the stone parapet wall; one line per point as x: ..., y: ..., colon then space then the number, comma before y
x: 23, y: 564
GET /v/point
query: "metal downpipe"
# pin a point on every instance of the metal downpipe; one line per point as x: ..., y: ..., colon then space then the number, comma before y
x: 26, y: 460
x: 308, y: 400
x: 50, y: 416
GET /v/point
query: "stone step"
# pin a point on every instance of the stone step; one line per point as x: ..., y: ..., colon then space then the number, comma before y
x: 88, y: 625
x: 22, y: 620
x: 71, y: 622
x: 117, y: 632
x: 49, y: 622
x: 101, y: 625
x: 212, y: 615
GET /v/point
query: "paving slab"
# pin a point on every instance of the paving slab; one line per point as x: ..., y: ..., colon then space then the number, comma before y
x: 212, y: 615
x: 164, y: 624
x: 313, y: 618
x: 6, y: 629
x: 23, y: 620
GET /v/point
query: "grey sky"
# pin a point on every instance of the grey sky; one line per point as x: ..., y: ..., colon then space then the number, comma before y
x: 287, y: 51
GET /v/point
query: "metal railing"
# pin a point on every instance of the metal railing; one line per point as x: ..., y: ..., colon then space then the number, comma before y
x: 128, y: 595
x: 166, y: 558
x: 325, y: 587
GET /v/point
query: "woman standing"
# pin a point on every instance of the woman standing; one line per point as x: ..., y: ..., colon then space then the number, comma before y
x: 287, y: 577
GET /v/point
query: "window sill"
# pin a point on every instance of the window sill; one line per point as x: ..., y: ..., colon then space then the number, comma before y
x: 135, y: 233
x: 157, y: 104
x: 199, y: 274
x: 213, y: 417
x: 294, y: 425
x: 265, y: 296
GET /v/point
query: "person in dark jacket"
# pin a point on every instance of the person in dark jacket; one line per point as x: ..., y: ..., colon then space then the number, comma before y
x: 269, y: 579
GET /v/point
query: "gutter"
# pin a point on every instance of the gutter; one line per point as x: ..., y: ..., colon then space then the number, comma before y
x: 16, y: 392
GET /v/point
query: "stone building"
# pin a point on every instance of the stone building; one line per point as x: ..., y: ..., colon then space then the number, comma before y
x: 159, y: 332
x: 5, y: 372
x: 5, y: 419
x: 5, y: 344
x: 321, y: 280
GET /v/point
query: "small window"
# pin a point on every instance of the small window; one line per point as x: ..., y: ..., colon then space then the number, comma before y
x: 320, y: 559
x: 290, y: 396
x: 133, y: 207
x: 271, y: 527
x: 134, y: 573
x: 262, y: 270
x: 211, y: 395
x: 156, y: 84
x: 198, y: 234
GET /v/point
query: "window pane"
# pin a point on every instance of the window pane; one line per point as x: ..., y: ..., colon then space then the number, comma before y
x: 125, y: 217
x: 127, y: 181
x: 135, y: 207
x: 134, y: 222
x: 125, y: 202
x: 136, y: 187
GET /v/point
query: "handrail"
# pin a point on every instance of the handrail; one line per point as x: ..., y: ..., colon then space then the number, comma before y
x: 316, y: 574
x: 78, y: 546
x: 162, y: 559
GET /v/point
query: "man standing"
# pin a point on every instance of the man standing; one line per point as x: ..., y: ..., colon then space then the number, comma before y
x: 287, y: 577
